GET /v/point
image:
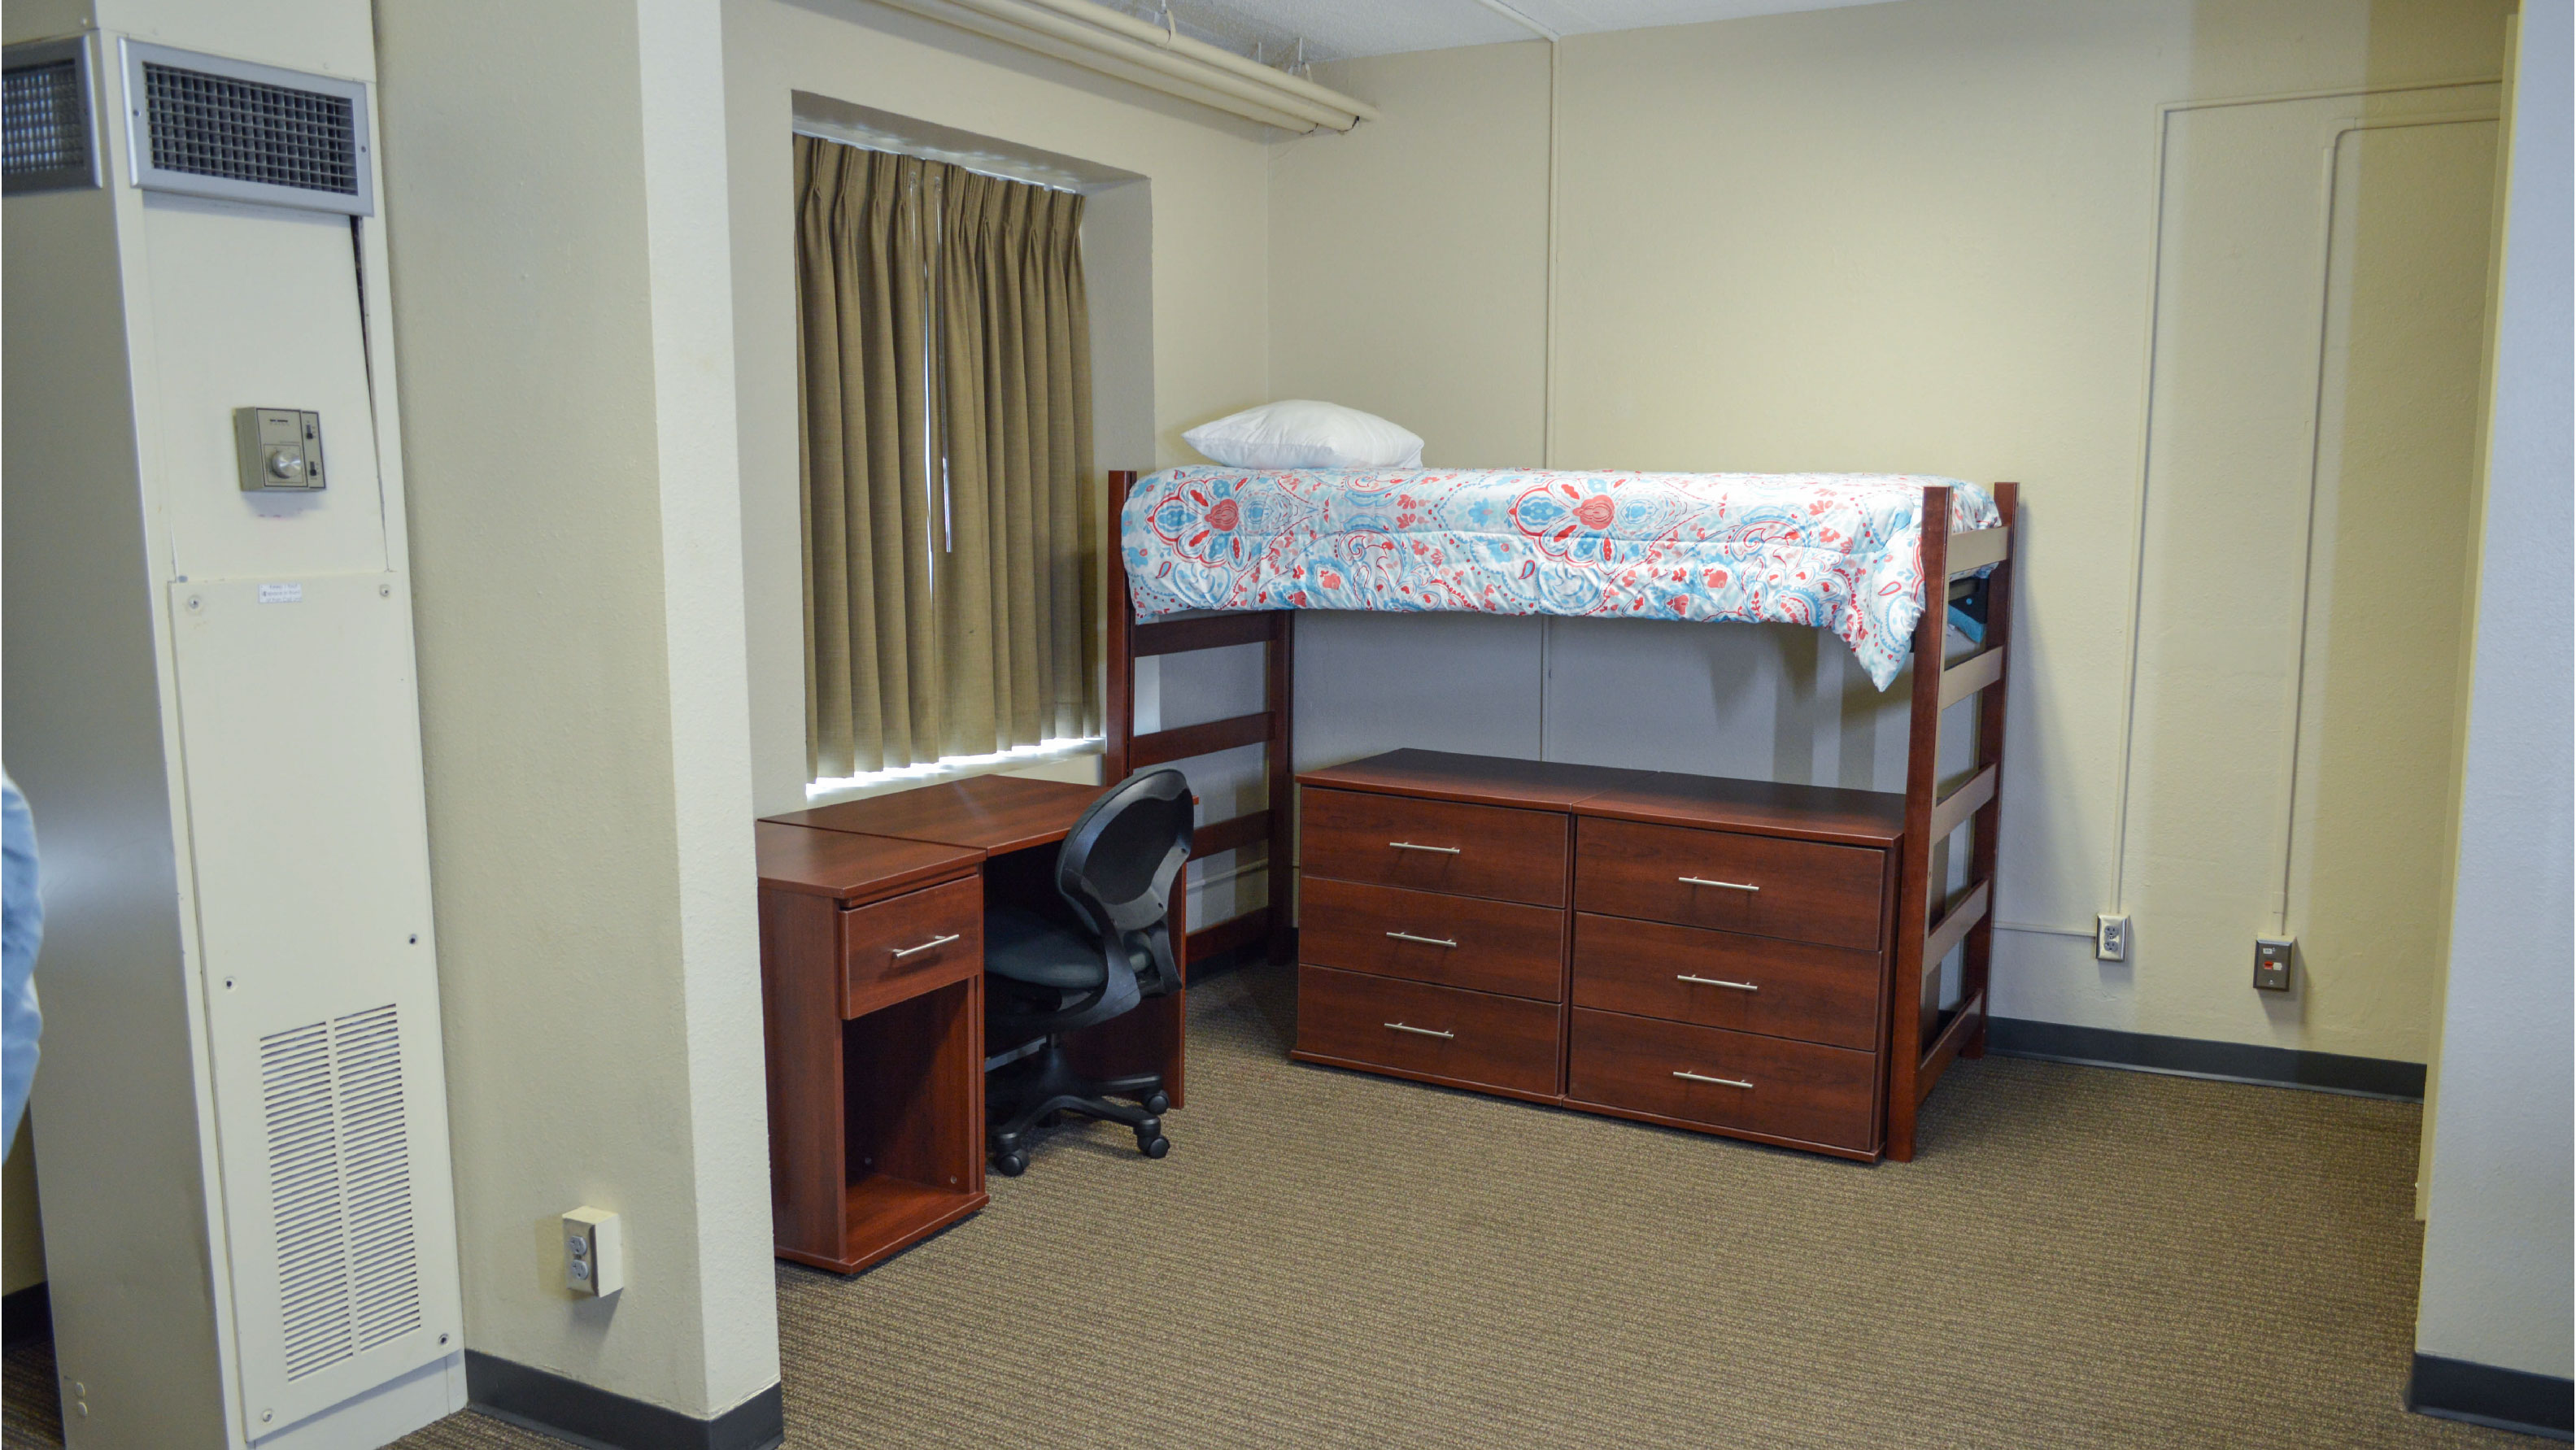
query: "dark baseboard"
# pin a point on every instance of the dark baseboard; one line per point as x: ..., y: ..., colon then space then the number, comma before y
x: 2483, y: 1394
x: 2332, y: 1072
x: 588, y: 1415
x: 26, y: 1315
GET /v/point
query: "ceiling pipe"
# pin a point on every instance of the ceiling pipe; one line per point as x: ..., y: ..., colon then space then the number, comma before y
x: 1523, y: 21
x: 1051, y: 27
x: 1137, y: 67
x: 1217, y: 56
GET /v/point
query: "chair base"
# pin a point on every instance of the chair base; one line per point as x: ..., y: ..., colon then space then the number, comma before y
x: 1019, y: 1095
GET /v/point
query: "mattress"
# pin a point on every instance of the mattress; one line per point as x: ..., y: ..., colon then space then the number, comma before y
x: 1838, y: 551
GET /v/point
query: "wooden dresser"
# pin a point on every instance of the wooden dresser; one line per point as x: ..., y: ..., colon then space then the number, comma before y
x: 1686, y: 950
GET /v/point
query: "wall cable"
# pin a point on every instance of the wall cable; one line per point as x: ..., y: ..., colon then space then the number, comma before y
x: 2165, y: 113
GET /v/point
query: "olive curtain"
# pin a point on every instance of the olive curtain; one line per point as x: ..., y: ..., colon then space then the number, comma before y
x: 945, y: 368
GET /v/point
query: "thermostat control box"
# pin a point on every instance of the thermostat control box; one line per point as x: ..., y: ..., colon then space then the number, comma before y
x: 281, y: 448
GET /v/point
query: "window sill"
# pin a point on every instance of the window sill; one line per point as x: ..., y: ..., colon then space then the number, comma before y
x: 955, y: 767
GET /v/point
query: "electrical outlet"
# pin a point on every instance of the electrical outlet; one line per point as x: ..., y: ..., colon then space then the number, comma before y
x: 2272, y: 959
x: 2111, y: 938
x: 594, y: 1252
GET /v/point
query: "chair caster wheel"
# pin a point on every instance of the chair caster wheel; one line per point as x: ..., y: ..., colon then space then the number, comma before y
x: 1157, y: 1104
x: 1011, y: 1164
x: 1153, y: 1147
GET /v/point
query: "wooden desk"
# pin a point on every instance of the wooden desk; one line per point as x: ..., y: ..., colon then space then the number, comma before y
x: 876, y: 1061
x: 988, y: 813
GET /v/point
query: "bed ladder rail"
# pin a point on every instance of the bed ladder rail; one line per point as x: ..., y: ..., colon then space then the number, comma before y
x: 1125, y: 752
x: 1922, y: 1040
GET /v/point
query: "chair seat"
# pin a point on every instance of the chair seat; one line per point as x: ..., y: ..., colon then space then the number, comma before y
x: 1023, y: 947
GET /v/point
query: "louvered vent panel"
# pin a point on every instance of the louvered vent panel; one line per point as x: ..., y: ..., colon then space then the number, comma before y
x: 245, y: 130
x: 339, y: 1171
x: 384, y: 1273
x: 42, y: 125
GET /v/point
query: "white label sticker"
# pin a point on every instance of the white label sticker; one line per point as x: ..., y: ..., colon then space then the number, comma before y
x: 281, y: 594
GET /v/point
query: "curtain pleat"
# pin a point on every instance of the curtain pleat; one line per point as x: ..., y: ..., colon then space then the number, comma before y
x: 950, y: 544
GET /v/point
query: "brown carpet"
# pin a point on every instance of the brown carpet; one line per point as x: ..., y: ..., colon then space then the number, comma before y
x: 2079, y: 1258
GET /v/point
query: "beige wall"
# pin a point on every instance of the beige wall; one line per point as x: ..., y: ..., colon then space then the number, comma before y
x: 2496, y: 1245
x: 1206, y: 176
x: 555, y: 199
x: 1924, y: 238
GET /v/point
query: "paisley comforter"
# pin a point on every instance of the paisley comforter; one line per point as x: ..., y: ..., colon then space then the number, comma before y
x: 1841, y: 551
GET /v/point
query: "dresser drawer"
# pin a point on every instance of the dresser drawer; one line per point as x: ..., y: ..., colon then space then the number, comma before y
x: 1461, y: 850
x: 1454, y: 941
x: 1724, y: 979
x: 1765, y: 1085
x: 1730, y: 881
x: 910, y: 943
x: 1474, y: 1039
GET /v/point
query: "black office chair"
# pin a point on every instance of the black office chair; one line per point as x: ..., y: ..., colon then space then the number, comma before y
x: 1045, y: 977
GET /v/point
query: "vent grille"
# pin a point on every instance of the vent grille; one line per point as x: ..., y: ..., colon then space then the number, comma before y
x: 339, y: 1169
x: 245, y: 130
x: 43, y: 125
x: 45, y: 118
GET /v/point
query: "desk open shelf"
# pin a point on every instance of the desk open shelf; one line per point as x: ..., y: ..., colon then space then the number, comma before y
x: 913, y: 1112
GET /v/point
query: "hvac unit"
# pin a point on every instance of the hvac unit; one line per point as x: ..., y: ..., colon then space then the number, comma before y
x: 210, y: 703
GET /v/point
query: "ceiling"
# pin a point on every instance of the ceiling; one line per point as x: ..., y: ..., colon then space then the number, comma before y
x: 1342, y: 29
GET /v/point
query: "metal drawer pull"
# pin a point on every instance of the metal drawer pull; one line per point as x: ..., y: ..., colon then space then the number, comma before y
x: 1419, y: 1031
x: 1429, y: 941
x: 1729, y: 885
x: 1714, y: 982
x: 1409, y: 846
x: 932, y: 945
x: 1720, y: 1081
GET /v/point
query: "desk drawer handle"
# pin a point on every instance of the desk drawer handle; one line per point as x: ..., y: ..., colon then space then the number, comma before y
x: 932, y: 945
x: 1429, y: 941
x: 1729, y: 885
x: 1715, y: 982
x: 1409, y: 846
x: 1419, y: 1031
x: 1720, y: 1081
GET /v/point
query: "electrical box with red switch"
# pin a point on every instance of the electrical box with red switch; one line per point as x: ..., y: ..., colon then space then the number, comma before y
x: 2272, y: 956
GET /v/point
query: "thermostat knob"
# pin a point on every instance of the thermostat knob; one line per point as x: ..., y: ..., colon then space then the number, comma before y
x: 285, y: 463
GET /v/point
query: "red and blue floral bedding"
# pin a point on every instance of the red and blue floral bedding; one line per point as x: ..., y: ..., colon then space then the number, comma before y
x: 1841, y: 551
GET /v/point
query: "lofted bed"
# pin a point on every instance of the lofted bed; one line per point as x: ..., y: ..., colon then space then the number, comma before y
x: 1213, y: 557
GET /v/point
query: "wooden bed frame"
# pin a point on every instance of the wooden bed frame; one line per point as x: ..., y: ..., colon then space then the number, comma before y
x: 1921, y: 1044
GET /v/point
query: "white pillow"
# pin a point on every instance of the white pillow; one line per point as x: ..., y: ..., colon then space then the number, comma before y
x: 1300, y: 434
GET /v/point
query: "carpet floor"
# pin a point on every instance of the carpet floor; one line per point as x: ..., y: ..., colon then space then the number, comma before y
x: 2079, y: 1257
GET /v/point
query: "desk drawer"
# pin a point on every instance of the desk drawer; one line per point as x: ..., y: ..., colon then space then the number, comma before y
x: 1473, y: 1039
x: 894, y: 949
x: 1796, y: 1089
x: 1493, y: 946
x: 1745, y: 983
x: 1459, y: 850
x: 1729, y: 881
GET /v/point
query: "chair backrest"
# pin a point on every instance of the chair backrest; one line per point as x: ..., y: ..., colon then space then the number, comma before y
x: 1120, y: 861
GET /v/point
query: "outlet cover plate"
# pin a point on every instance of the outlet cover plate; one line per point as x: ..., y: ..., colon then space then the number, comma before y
x: 594, y: 1252
x: 2111, y: 938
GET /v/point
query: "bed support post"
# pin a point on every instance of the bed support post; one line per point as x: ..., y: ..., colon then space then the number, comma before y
x: 1123, y: 751
x: 1921, y: 1040
x: 1118, y: 710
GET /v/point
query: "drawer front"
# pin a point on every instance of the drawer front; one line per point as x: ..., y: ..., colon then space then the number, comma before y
x: 1730, y: 882
x: 1722, y: 979
x: 1459, y: 850
x: 1474, y: 1038
x: 1797, y: 1089
x: 888, y: 951
x: 1453, y: 941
